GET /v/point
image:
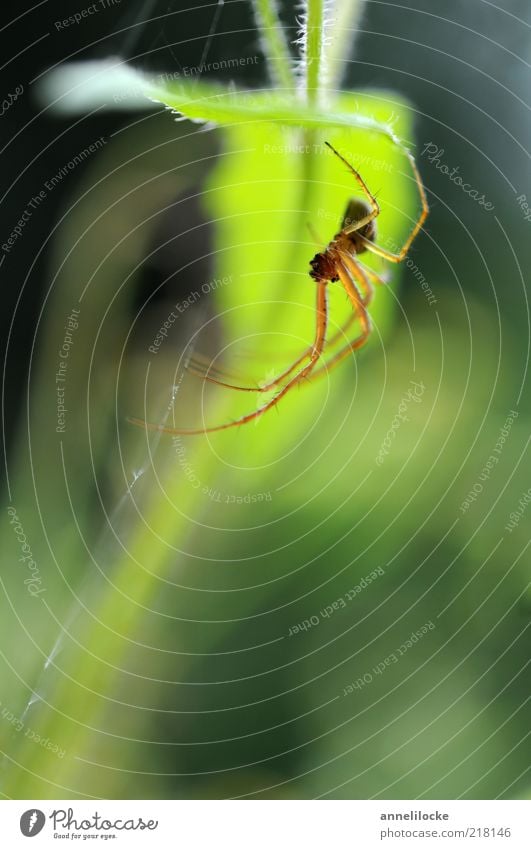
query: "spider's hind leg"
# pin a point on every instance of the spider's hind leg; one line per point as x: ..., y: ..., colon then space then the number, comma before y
x: 401, y: 255
x: 321, y: 321
x: 216, y: 375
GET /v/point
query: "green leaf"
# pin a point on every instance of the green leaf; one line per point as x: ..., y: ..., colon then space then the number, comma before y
x: 79, y: 87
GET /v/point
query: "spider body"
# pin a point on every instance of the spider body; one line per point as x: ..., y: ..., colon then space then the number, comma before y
x: 356, y: 211
x: 337, y: 263
x: 324, y: 264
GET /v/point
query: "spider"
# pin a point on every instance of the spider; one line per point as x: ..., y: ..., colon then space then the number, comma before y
x: 337, y: 263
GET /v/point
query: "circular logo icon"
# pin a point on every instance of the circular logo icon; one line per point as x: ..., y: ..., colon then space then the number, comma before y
x: 32, y: 822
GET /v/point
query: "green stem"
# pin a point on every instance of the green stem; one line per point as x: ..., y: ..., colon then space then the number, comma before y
x: 274, y: 43
x: 313, y: 48
x: 339, y: 47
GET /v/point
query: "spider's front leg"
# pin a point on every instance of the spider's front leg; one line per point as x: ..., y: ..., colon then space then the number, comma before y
x: 375, y: 209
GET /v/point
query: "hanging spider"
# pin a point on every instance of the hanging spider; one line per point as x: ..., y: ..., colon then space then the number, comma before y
x: 337, y: 263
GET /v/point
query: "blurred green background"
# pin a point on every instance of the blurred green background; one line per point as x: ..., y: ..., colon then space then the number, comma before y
x: 165, y: 657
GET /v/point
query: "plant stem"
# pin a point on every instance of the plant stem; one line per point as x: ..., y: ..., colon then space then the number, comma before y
x: 313, y: 48
x: 274, y: 43
x: 338, y: 48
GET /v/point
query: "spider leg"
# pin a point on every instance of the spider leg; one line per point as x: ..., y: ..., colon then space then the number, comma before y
x: 359, y: 311
x: 201, y: 371
x: 375, y: 209
x: 200, y: 366
x: 321, y: 321
x: 362, y: 275
x: 218, y: 376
